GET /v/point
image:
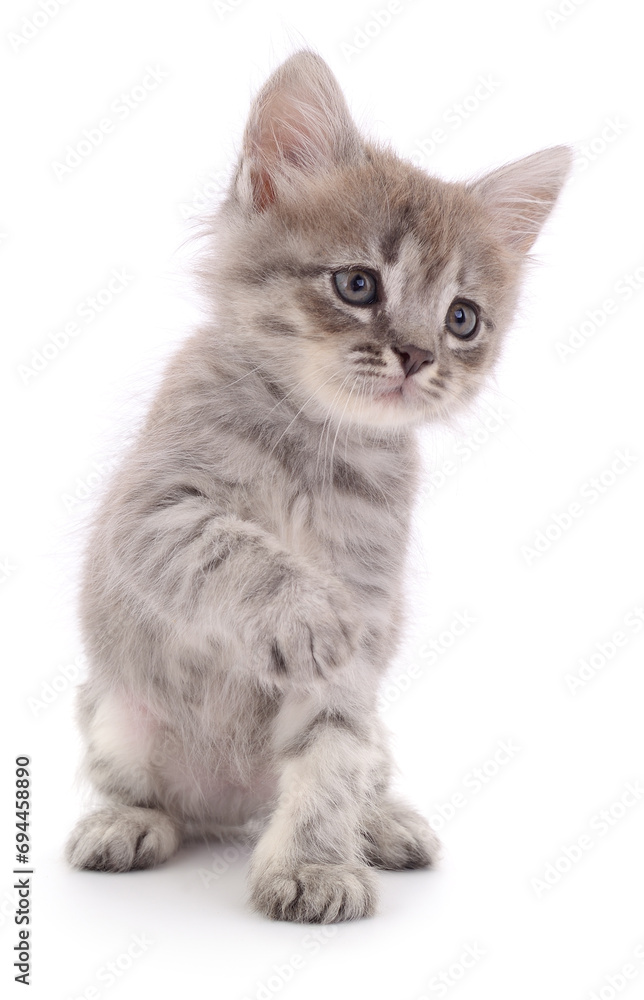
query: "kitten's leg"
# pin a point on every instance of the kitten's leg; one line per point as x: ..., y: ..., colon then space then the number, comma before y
x: 208, y: 576
x: 309, y: 864
x: 124, y: 834
x: 395, y: 836
x: 215, y: 578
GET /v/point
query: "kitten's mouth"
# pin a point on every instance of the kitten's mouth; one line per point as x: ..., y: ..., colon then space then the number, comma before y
x: 393, y: 388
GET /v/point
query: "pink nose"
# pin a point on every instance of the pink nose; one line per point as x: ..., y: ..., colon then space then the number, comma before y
x: 413, y: 358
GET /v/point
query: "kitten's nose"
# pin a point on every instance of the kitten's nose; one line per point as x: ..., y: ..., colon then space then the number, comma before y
x: 413, y: 358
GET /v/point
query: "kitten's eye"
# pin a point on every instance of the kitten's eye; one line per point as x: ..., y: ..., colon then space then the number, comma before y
x: 462, y: 320
x: 356, y: 286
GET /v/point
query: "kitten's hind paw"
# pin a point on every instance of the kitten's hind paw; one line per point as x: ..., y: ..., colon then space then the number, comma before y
x: 122, y: 838
x: 315, y: 893
x: 396, y: 837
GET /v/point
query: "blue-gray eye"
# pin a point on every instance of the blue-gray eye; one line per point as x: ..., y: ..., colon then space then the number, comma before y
x: 462, y: 320
x: 356, y: 286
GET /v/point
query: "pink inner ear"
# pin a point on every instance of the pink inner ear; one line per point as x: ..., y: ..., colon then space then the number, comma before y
x: 264, y: 193
x: 278, y: 141
x: 287, y: 133
x: 298, y: 122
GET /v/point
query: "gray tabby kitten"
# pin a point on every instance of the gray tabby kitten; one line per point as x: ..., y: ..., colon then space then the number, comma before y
x: 242, y: 593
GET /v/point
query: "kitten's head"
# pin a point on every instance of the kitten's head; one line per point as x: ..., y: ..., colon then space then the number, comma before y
x: 367, y: 290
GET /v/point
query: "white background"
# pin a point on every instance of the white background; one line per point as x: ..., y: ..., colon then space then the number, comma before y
x: 537, y: 615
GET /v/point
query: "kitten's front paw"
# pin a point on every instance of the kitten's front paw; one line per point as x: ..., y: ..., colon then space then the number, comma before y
x: 315, y: 893
x: 315, y: 636
x: 121, y: 838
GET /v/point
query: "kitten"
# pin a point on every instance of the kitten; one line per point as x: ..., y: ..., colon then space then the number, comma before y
x: 242, y: 592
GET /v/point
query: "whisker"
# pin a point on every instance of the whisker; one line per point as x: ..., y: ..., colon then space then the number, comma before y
x: 298, y: 385
x: 327, y: 424
x: 291, y: 422
x: 340, y: 423
x: 245, y: 375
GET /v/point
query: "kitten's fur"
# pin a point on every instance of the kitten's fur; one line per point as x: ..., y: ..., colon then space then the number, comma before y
x: 242, y: 589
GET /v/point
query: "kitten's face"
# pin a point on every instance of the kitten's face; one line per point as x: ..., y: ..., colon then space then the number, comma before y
x: 368, y: 291
x: 383, y: 295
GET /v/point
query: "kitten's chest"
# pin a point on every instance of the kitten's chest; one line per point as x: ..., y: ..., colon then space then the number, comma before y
x: 355, y: 526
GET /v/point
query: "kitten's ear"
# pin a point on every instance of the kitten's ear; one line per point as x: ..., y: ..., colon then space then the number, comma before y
x: 299, y: 122
x: 521, y: 195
